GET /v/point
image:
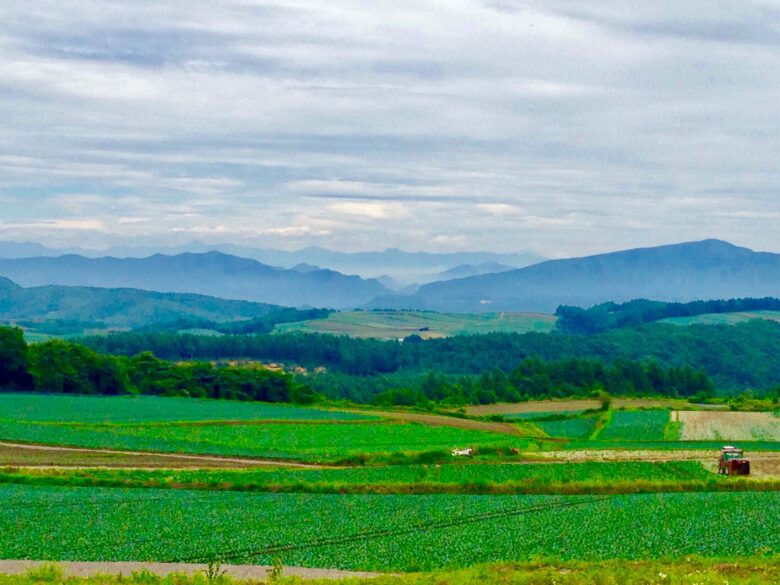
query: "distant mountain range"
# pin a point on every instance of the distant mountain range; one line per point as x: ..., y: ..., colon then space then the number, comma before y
x: 214, y: 274
x: 710, y: 269
x: 121, y: 308
x: 403, y: 267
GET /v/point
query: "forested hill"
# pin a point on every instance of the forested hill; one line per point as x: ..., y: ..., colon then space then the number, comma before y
x: 610, y: 315
x: 737, y: 358
x: 118, y: 307
x: 678, y: 273
x: 212, y: 273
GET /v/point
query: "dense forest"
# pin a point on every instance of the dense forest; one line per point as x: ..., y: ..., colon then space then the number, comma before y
x: 606, y: 316
x: 736, y: 358
x: 530, y: 379
x: 262, y: 324
x: 61, y: 367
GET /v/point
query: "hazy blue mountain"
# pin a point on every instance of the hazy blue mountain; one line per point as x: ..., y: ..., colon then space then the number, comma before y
x: 214, y: 274
x: 710, y: 269
x: 403, y: 267
x: 117, y: 307
x: 466, y: 270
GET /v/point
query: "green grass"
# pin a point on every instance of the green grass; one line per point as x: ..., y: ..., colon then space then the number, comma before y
x: 530, y: 416
x: 724, y: 318
x: 140, y: 409
x: 635, y: 425
x: 378, y: 532
x: 399, y: 324
x: 526, y: 478
x: 295, y: 441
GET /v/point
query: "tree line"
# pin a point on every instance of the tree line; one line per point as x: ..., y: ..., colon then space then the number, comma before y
x: 62, y: 367
x: 736, y: 358
x: 606, y: 316
x: 59, y: 366
x: 531, y: 379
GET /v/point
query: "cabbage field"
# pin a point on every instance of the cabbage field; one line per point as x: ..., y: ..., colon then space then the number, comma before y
x: 636, y: 425
x: 377, y: 532
x: 300, y: 441
x: 149, y: 409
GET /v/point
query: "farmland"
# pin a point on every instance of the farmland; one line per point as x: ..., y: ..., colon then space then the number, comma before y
x: 382, y: 493
x: 428, y: 325
x: 358, y: 532
x: 732, y: 426
x: 298, y: 441
x: 150, y: 409
x: 636, y: 425
x: 724, y: 318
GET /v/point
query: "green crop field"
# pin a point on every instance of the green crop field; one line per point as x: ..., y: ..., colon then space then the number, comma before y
x: 377, y: 532
x: 141, y: 409
x: 298, y: 441
x: 724, y: 318
x: 635, y: 425
x: 572, y: 428
x: 400, y: 324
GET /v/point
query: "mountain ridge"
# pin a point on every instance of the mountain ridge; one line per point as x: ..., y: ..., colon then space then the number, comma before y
x: 674, y: 272
x: 212, y: 274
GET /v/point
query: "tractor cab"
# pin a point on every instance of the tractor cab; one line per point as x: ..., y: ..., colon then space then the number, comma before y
x: 732, y: 461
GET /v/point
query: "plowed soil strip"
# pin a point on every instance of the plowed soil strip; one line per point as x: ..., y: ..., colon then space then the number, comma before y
x: 189, y: 460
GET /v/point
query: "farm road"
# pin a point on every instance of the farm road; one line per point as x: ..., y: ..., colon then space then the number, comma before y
x: 143, y: 458
x: 85, y: 569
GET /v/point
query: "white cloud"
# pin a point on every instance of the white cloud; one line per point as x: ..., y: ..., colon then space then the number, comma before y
x: 553, y: 125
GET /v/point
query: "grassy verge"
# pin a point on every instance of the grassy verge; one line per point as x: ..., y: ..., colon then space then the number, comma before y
x: 541, y: 479
x: 693, y: 570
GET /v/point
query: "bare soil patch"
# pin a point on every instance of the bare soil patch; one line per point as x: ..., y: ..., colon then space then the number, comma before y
x: 26, y: 455
x: 728, y: 426
x: 534, y: 406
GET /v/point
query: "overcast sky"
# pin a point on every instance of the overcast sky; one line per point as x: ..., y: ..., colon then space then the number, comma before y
x: 559, y: 127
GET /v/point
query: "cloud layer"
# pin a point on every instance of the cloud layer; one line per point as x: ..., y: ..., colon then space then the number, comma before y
x: 555, y: 126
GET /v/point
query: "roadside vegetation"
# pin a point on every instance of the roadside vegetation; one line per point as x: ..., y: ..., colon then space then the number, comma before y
x: 690, y: 571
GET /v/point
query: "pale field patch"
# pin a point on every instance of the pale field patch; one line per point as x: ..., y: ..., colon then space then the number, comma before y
x: 727, y: 426
x: 533, y: 406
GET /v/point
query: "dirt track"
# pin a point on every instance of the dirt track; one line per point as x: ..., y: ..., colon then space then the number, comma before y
x: 130, y: 458
x: 85, y: 569
x: 438, y: 420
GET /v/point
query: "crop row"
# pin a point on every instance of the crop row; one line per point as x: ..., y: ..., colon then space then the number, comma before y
x: 377, y: 532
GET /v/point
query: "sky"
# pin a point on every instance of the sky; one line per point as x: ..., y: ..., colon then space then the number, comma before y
x: 551, y: 126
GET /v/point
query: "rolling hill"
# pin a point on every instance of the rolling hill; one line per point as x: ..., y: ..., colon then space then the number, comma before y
x: 428, y: 325
x: 709, y: 269
x: 117, y: 308
x: 213, y: 274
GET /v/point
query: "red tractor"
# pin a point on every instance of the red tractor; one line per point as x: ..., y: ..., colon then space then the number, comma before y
x: 732, y: 461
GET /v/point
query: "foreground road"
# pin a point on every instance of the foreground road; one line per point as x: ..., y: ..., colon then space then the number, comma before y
x: 84, y: 569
